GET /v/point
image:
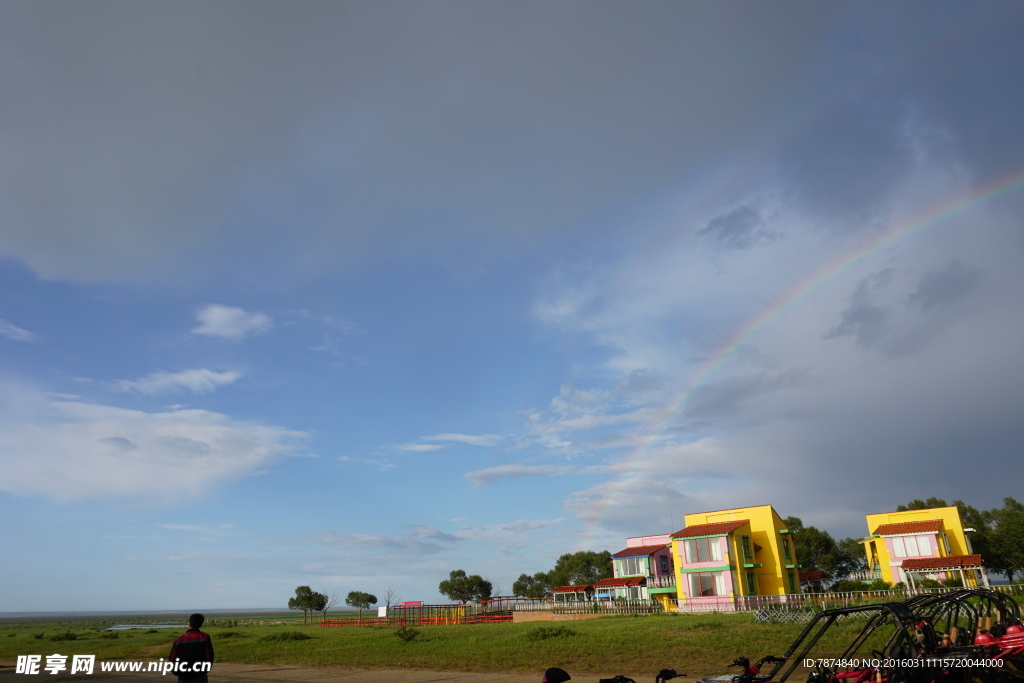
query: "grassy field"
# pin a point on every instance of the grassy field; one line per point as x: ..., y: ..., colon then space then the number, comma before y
x: 700, y: 645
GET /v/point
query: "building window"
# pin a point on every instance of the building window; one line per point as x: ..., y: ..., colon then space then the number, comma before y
x: 633, y: 566
x: 704, y: 584
x: 748, y: 554
x: 785, y: 549
x: 911, y: 546
x: 665, y: 569
x: 751, y: 583
x: 702, y: 550
x: 792, y: 582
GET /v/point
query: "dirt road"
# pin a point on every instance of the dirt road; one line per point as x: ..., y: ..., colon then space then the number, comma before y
x: 230, y: 672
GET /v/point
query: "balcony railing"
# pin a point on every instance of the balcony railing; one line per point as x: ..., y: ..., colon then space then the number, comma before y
x: 865, y: 575
x: 663, y: 581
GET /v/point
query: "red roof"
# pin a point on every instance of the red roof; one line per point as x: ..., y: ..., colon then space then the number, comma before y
x: 626, y: 581
x: 951, y: 562
x: 640, y: 550
x: 713, y: 529
x: 570, y: 589
x: 926, y: 527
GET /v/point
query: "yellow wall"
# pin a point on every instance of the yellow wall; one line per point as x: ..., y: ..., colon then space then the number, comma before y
x: 763, y: 528
x: 877, y: 552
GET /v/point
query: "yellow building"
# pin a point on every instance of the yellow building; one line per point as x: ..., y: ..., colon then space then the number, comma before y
x: 904, y: 547
x: 724, y: 556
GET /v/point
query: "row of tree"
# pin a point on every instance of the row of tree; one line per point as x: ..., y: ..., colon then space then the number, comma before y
x: 572, y: 569
x: 309, y: 601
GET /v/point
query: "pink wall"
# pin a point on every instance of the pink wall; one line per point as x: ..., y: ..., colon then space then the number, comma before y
x: 647, y: 540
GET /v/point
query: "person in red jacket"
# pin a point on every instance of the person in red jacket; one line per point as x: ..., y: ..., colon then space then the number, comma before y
x: 191, y: 649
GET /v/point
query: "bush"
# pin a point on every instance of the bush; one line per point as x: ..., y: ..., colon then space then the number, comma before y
x: 285, y: 636
x: 407, y: 634
x: 545, y: 632
x: 953, y: 582
x: 67, y: 635
x: 231, y: 634
x: 847, y: 586
x: 110, y: 635
x: 879, y: 585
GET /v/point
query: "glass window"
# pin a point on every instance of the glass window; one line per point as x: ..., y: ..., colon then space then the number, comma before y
x: 910, y: 542
x: 745, y: 544
x: 792, y: 582
x: 705, y: 584
x: 702, y: 549
x: 898, y: 548
x: 785, y: 549
x: 632, y: 566
x: 751, y: 583
x: 664, y: 564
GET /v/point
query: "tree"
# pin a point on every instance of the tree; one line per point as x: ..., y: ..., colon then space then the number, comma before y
x: 1007, y: 538
x: 462, y: 588
x: 390, y: 596
x: 308, y: 601
x: 536, y: 586
x: 361, y: 601
x: 855, y: 549
x: 817, y: 550
x: 585, y: 567
x: 330, y: 600
x: 918, y: 504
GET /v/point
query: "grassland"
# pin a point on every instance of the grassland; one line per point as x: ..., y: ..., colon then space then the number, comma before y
x: 697, y: 644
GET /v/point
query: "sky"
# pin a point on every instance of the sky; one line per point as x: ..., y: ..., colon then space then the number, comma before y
x: 354, y: 294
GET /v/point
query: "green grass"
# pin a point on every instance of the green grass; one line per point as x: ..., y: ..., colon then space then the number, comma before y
x: 700, y: 645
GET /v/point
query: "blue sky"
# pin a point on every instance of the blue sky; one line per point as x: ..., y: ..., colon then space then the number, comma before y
x: 354, y: 294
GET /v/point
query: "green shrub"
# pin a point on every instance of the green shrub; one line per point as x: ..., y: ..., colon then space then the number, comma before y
x: 407, y: 634
x: 67, y: 635
x: 110, y: 635
x: 232, y: 634
x: 545, y: 632
x: 285, y: 636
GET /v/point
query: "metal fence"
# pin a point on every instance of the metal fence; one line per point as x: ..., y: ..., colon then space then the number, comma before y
x: 608, y: 607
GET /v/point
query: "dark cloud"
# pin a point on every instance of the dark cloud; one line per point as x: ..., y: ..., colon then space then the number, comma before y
x: 863, y: 319
x: 740, y: 228
x: 142, y: 133
x: 945, y: 286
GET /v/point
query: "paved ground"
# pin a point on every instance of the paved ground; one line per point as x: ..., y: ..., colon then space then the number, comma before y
x: 229, y: 672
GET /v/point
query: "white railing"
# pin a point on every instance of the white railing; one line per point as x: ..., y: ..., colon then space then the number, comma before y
x: 609, y: 607
x: 664, y: 581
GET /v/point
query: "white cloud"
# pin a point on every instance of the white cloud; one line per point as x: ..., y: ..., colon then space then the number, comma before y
x: 230, y: 322
x: 492, y: 475
x: 198, y: 381
x: 71, y: 450
x: 419, y: 447
x: 12, y: 331
x: 471, y: 439
x: 194, y: 528
x: 419, y: 544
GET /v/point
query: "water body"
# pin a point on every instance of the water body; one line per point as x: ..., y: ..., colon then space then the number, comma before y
x: 125, y: 627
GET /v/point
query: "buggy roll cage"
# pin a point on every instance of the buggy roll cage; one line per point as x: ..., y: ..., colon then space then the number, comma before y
x: 911, y: 636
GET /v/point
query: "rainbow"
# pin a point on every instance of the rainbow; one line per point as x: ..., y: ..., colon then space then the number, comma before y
x: 889, y: 238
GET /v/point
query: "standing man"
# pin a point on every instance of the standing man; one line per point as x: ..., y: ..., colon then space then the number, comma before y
x: 191, y: 649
